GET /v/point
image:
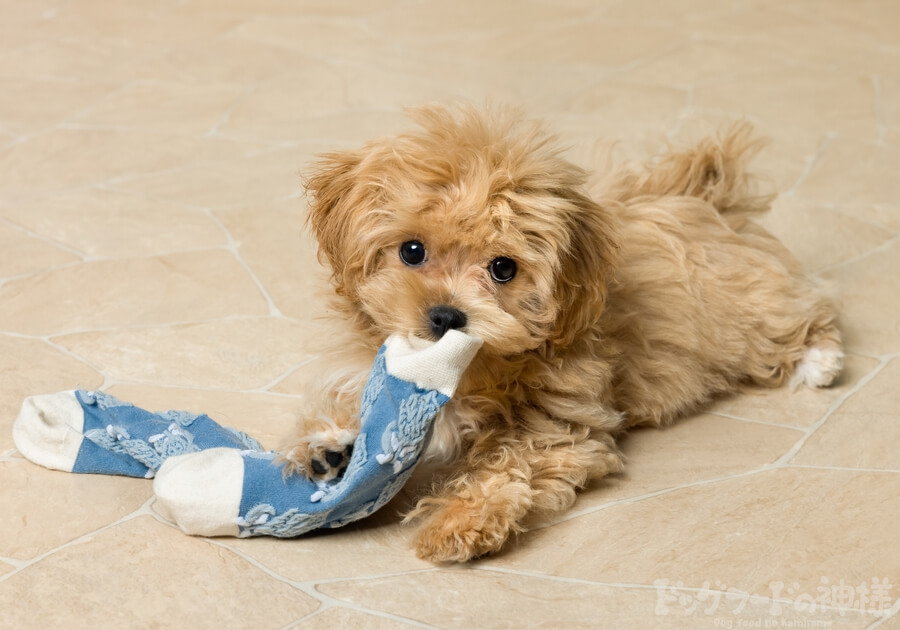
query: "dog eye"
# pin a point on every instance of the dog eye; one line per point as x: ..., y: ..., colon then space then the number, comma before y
x: 502, y: 269
x: 412, y: 253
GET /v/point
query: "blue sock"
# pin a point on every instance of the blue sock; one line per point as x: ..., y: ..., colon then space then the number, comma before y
x: 224, y: 492
x: 92, y: 432
x: 215, y: 481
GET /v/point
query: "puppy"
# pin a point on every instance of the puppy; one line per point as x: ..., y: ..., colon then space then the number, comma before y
x: 631, y: 306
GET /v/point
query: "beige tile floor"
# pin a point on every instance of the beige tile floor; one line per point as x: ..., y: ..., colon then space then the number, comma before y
x: 150, y: 245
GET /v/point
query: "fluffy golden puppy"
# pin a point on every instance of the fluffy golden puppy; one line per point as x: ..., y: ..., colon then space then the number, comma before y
x: 630, y: 306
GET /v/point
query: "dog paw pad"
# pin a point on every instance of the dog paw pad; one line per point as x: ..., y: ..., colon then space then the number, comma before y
x: 330, y: 464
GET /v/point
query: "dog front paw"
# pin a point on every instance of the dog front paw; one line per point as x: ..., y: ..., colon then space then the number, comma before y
x: 322, y: 454
x: 458, y: 530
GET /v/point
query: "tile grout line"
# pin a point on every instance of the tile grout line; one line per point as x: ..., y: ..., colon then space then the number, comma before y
x: 246, y: 92
x: 645, y: 587
x: 878, y: 249
x: 30, y: 274
x: 260, y: 146
x: 754, y: 421
x: 572, y: 514
x: 878, y: 108
x: 15, y: 136
x: 44, y: 239
x: 787, y: 457
x: 149, y: 326
x: 211, y: 390
x: 296, y: 622
x: 110, y: 381
x: 846, y: 210
x: 72, y: 117
x: 843, y: 468
x: 233, y: 247
x: 811, y: 162
x: 143, y: 510
x: 86, y: 260
x: 892, y: 613
x: 74, y: 355
x: 286, y: 374
x: 326, y: 601
x: 260, y: 143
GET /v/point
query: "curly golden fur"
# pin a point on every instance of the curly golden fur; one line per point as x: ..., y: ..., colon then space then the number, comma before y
x: 633, y: 305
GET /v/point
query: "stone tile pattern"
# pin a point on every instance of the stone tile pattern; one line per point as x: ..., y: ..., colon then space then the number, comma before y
x: 151, y: 244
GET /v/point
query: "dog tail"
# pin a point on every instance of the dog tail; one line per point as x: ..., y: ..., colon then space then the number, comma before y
x: 714, y: 170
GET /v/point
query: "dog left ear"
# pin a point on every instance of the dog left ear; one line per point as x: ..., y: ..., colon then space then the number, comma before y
x: 588, y: 265
x: 335, y: 197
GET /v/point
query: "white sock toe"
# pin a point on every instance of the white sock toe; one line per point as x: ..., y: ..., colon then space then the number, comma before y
x: 431, y: 365
x: 201, y: 492
x: 48, y: 430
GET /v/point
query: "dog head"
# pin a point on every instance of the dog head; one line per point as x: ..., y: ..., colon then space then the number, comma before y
x: 473, y: 222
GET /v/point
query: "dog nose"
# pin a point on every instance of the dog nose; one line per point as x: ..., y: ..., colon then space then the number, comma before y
x: 443, y: 318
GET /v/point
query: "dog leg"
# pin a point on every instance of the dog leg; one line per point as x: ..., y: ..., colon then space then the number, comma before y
x: 482, y: 505
x: 329, y: 423
x: 323, y: 448
x: 807, y: 348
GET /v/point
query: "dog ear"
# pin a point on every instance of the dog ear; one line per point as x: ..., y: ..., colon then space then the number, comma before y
x: 336, y: 197
x: 587, y: 266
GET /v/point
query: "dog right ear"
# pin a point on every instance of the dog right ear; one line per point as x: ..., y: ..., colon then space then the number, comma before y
x: 335, y: 196
x: 587, y: 266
